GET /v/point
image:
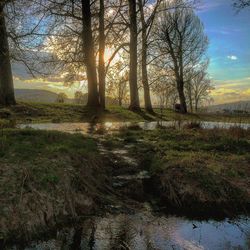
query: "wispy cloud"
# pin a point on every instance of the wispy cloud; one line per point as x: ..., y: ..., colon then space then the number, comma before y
x: 232, y: 57
x: 231, y: 90
x: 207, y: 6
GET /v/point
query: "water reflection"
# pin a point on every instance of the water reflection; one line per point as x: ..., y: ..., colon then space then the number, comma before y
x: 107, y: 127
x: 145, y: 231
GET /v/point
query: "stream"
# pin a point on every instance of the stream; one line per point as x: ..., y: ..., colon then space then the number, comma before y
x: 142, y: 229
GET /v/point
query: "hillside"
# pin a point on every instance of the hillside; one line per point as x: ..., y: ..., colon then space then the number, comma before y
x: 37, y: 95
x: 241, y: 105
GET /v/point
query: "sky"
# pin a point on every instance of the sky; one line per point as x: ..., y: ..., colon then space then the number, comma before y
x: 229, y: 49
x: 229, y: 53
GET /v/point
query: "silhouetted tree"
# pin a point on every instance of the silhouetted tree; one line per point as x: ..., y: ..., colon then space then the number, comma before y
x: 241, y: 4
x: 134, y: 95
x: 146, y: 21
x: 198, y: 87
x: 117, y: 87
x: 7, y: 96
x: 101, y: 65
x: 89, y: 53
x: 181, y: 40
x: 79, y: 97
x: 61, y: 98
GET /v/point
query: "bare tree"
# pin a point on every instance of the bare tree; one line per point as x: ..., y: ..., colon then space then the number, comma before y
x: 201, y: 89
x: 90, y: 61
x: 111, y: 31
x: 134, y: 95
x: 101, y: 66
x: 17, y: 29
x: 241, y: 4
x: 67, y: 41
x: 181, y: 40
x: 79, y: 97
x: 7, y: 96
x: 68, y: 47
x: 146, y: 20
x: 117, y: 87
x: 61, y: 97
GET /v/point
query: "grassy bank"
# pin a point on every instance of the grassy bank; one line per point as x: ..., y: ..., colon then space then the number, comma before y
x: 47, y: 177
x: 41, y: 112
x: 193, y: 170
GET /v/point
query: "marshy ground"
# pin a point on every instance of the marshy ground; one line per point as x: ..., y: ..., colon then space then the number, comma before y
x: 49, y: 178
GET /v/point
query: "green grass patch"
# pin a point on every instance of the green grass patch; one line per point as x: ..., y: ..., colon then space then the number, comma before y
x: 47, y: 175
x: 61, y: 112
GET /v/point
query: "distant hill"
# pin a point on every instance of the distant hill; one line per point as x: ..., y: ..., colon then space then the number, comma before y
x: 45, y: 96
x: 37, y: 95
x: 241, y: 105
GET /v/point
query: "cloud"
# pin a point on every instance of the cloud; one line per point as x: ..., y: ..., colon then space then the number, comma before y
x: 207, y: 6
x: 231, y: 90
x: 232, y: 57
x: 46, y: 84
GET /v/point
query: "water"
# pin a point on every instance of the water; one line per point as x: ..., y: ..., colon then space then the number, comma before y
x: 88, y: 128
x: 145, y: 231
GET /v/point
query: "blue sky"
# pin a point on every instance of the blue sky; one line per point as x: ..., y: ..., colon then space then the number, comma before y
x: 229, y: 49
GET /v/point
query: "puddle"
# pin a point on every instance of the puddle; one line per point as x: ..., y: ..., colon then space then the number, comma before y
x: 89, y: 128
x: 145, y: 231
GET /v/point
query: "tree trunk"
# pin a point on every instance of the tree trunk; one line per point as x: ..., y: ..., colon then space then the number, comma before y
x: 7, y: 96
x: 101, y: 66
x: 134, y: 96
x: 196, y: 105
x: 90, y: 62
x: 146, y: 89
x: 120, y: 102
x: 190, y: 97
x: 182, y: 97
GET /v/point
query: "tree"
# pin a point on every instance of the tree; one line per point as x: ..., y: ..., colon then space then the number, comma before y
x: 198, y: 87
x: 146, y: 25
x: 117, y: 87
x: 134, y: 95
x: 201, y: 88
x: 20, y: 25
x: 7, y: 96
x: 241, y: 4
x: 89, y: 54
x: 68, y: 47
x: 61, y: 98
x: 181, y: 40
x: 101, y: 66
x: 67, y: 41
x: 79, y: 97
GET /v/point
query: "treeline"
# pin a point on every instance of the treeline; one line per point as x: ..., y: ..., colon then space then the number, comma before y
x: 154, y: 47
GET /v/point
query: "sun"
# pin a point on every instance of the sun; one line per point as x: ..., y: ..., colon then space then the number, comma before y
x: 109, y: 54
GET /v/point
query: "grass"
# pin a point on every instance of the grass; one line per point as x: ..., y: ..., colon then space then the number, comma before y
x: 194, y: 167
x: 46, y: 176
x: 56, y: 112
